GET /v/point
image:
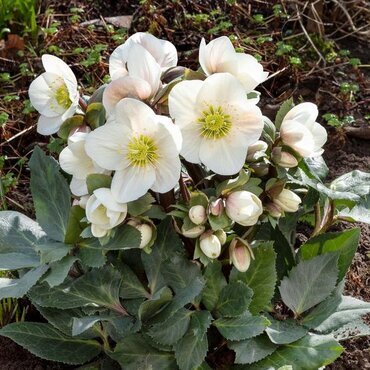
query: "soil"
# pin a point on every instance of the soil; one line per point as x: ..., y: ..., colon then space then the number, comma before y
x: 343, y: 153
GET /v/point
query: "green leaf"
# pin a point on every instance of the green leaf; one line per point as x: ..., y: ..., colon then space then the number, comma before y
x: 17, y: 288
x: 167, y: 245
x: 284, y: 332
x: 343, y: 243
x: 69, y: 124
x: 310, y: 352
x: 234, y: 299
x: 283, y: 110
x: 356, y: 182
x: 233, y: 184
x: 82, y: 324
x: 152, y: 306
x: 269, y: 131
x: 260, y: 277
x: 74, y: 227
x: 335, y: 313
x: 172, y: 330
x: 16, y: 261
x: 191, y: 350
x: 317, y: 167
x: 353, y: 329
x: 252, y: 350
x: 131, y: 286
x: 309, y: 283
x: 98, y: 180
x: 215, y: 281
x: 219, y: 222
x: 98, y: 286
x: 51, y: 195
x: 95, y: 115
x: 242, y: 327
x: 44, y: 341
x: 59, y: 271
x: 52, y: 251
x: 91, y: 257
x: 141, y: 205
x: 134, y: 353
x: 359, y: 213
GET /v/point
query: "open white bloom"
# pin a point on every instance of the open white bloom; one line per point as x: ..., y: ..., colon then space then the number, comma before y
x: 244, y: 207
x: 300, y: 131
x: 216, y: 120
x: 54, y: 94
x: 142, y: 147
x: 219, y: 55
x: 104, y: 212
x: 162, y: 52
x: 288, y: 201
x: 74, y: 160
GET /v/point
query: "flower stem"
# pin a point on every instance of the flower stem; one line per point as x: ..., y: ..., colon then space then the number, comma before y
x: 184, y: 190
x: 82, y: 104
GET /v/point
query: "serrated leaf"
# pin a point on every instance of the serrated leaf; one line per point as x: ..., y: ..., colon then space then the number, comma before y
x: 359, y: 213
x: 59, y: 271
x: 260, y: 277
x: 16, y: 261
x: 283, y: 110
x: 242, y: 327
x: 98, y: 180
x: 51, y: 251
x: 344, y: 243
x: 252, y: 350
x: 91, y: 257
x: 172, y: 330
x: 131, y: 286
x: 95, y: 115
x: 81, y: 324
x: 44, y: 341
x: 234, y: 299
x: 191, y: 350
x: 155, y: 304
x: 134, y: 353
x: 317, y: 167
x: 284, y: 332
x: 353, y: 329
x: 215, y: 281
x: 233, y: 184
x: 310, y: 352
x: 309, y: 283
x: 269, y: 131
x: 357, y: 182
x: 51, y: 195
x: 74, y: 227
x: 17, y: 288
x: 141, y: 205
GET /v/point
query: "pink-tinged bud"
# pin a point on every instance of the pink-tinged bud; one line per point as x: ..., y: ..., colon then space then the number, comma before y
x: 210, y: 245
x: 194, y: 232
x: 244, y: 207
x: 221, y: 235
x: 255, y: 150
x: 288, y: 201
x: 283, y: 159
x: 240, y: 254
x: 274, y: 210
x: 197, y: 215
x: 216, y: 207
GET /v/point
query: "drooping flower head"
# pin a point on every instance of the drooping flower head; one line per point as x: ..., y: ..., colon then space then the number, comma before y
x: 300, y: 131
x: 220, y: 56
x: 54, y: 94
x: 141, y: 147
x: 216, y: 120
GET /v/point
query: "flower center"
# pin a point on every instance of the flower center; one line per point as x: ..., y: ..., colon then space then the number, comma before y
x: 142, y: 151
x: 62, y: 97
x: 215, y: 123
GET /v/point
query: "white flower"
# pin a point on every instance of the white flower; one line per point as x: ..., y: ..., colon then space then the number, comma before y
x: 288, y: 201
x: 244, y: 207
x: 256, y: 150
x: 194, y: 232
x: 143, y: 149
x: 300, y: 131
x: 197, y: 215
x: 216, y: 120
x: 54, y: 94
x: 161, y: 51
x: 240, y: 254
x: 74, y: 160
x: 219, y: 55
x: 210, y: 245
x: 104, y: 212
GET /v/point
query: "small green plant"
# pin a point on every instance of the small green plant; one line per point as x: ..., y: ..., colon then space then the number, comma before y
x: 349, y: 90
x: 334, y: 121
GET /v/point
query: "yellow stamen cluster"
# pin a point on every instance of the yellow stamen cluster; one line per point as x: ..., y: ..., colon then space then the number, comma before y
x: 62, y: 96
x: 215, y: 123
x: 142, y: 151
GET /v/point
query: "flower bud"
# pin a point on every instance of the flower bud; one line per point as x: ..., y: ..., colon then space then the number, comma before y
x: 260, y: 169
x: 244, y: 207
x: 221, y: 235
x: 216, y: 207
x: 197, y: 215
x: 240, y: 254
x: 283, y: 159
x: 146, y: 234
x: 210, y: 245
x: 273, y: 209
x: 255, y: 149
x: 287, y: 201
x: 194, y: 232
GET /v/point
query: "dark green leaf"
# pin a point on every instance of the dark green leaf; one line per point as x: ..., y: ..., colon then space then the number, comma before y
x: 152, y: 306
x: 91, y: 257
x: 51, y: 195
x: 95, y: 115
x: 284, y: 332
x: 69, y: 124
x: 15, y: 261
x: 59, y: 271
x: 283, y: 110
x: 131, y: 286
x: 98, y: 180
x: 74, y: 227
x: 141, y: 205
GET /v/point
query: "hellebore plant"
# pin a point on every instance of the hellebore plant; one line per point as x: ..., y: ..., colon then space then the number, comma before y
x: 165, y: 237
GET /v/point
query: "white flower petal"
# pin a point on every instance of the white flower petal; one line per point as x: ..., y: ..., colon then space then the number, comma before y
x: 124, y: 87
x: 191, y: 141
x: 304, y: 113
x: 167, y: 174
x: 56, y: 65
x: 98, y: 231
x: 104, y: 195
x: 132, y: 183
x: 117, y: 61
x: 106, y: 144
x: 171, y: 129
x: 78, y: 187
x: 49, y: 125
